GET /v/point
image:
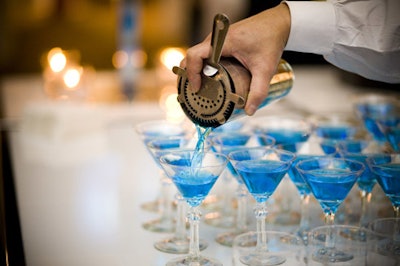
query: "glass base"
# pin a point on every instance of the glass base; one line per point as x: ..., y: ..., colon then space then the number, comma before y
x: 160, y: 226
x: 389, y: 247
x: 176, y: 245
x: 302, y: 233
x: 220, y: 220
x: 151, y: 206
x: 226, y: 239
x: 188, y: 261
x: 325, y: 255
x: 286, y: 218
x: 262, y: 259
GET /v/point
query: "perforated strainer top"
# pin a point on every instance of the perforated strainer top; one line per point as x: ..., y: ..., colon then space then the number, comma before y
x: 213, y: 104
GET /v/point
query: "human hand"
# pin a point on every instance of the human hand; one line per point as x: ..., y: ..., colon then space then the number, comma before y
x: 256, y: 42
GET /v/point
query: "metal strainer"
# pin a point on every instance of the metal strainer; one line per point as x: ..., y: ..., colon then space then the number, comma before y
x: 214, y: 103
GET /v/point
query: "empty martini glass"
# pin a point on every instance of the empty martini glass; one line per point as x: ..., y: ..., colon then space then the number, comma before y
x: 226, y: 143
x: 178, y: 243
x: 330, y: 180
x: 148, y: 131
x: 386, y: 245
x: 194, y: 174
x: 261, y: 170
x: 387, y: 170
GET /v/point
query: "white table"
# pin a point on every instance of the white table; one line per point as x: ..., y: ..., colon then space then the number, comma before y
x: 79, y: 197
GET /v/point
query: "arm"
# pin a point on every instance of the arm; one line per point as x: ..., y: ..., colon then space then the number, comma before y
x: 362, y: 37
x: 359, y: 36
x: 259, y: 53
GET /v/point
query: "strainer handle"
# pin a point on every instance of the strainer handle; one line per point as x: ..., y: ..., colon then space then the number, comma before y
x: 220, y: 29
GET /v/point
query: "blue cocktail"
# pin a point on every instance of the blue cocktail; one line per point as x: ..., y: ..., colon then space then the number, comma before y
x: 148, y: 131
x: 330, y: 180
x: 287, y: 130
x: 390, y: 128
x: 387, y: 170
x: 336, y: 126
x: 261, y: 170
x: 310, y: 149
x: 371, y: 108
x: 360, y: 150
x: 194, y: 181
x: 226, y: 143
x: 179, y: 242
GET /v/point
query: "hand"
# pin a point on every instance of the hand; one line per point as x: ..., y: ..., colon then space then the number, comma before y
x: 257, y: 42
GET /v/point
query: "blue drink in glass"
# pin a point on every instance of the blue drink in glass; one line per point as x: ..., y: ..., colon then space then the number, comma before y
x: 194, y: 180
x: 261, y: 169
x: 387, y: 170
x: 330, y: 180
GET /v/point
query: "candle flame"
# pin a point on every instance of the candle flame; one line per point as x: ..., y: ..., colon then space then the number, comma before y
x: 57, y: 59
x: 71, y: 78
x: 171, y: 57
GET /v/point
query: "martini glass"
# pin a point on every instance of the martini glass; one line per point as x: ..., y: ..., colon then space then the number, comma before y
x: 330, y: 180
x: 369, y: 108
x: 336, y: 126
x: 390, y: 128
x: 360, y: 150
x: 261, y: 170
x: 220, y: 205
x: 194, y: 174
x: 387, y: 170
x: 178, y: 243
x: 386, y: 244
x: 287, y: 130
x: 310, y: 149
x: 290, y: 131
x: 148, y: 131
x: 226, y: 143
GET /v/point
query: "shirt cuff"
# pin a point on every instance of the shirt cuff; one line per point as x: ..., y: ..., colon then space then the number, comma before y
x: 312, y: 27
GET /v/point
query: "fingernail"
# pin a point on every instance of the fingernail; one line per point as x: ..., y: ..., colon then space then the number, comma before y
x: 251, y: 110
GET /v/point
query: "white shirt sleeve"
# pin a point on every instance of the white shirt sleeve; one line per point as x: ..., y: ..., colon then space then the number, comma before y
x: 362, y: 37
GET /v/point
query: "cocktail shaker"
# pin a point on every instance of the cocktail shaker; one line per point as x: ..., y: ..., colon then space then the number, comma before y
x: 225, y: 84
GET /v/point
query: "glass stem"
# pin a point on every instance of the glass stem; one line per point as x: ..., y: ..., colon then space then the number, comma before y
x: 194, y: 220
x: 241, y: 222
x: 180, y: 226
x: 305, y: 217
x: 396, y: 211
x: 329, y: 220
x: 365, y: 201
x: 165, y: 201
x: 226, y: 198
x: 261, y: 213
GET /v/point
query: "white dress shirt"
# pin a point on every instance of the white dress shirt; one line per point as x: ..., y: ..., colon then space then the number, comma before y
x: 360, y: 36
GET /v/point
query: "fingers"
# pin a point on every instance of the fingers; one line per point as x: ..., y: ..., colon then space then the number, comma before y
x: 194, y: 63
x: 258, y: 92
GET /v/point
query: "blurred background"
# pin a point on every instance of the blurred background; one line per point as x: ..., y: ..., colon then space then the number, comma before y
x: 30, y: 28
x: 99, y: 33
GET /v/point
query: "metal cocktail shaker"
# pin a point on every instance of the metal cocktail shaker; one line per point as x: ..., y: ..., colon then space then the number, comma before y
x: 225, y: 84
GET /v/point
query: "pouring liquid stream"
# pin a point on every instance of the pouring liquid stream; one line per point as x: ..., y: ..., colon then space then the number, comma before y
x: 202, y: 134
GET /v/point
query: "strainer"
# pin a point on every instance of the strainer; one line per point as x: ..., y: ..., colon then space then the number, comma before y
x: 214, y: 103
